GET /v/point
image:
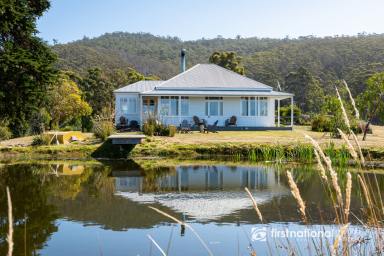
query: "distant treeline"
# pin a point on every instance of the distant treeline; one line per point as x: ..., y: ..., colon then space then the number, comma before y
x: 353, y: 58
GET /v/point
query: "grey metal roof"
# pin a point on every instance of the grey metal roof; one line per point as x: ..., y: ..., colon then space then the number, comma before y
x: 210, y: 76
x: 140, y: 86
x: 218, y: 93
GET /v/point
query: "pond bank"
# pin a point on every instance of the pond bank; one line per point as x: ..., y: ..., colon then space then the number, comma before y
x: 300, y: 152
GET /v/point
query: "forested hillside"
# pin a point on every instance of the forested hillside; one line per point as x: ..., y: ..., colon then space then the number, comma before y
x: 352, y: 58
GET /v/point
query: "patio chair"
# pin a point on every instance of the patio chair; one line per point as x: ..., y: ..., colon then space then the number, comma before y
x: 134, y: 125
x: 185, y: 127
x: 231, y: 121
x: 123, y: 122
x: 196, y: 121
x: 213, y: 127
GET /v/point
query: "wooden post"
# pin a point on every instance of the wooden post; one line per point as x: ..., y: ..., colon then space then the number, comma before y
x: 141, y: 110
x: 292, y: 112
x: 158, y: 108
x: 179, y: 108
x: 278, y: 112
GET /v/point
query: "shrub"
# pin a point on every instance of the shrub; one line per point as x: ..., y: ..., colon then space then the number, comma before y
x: 41, y: 139
x: 172, y: 130
x: 67, y: 128
x: 153, y: 127
x: 73, y: 124
x: 103, y: 128
x: 39, y: 120
x: 86, y: 123
x: 321, y: 123
x: 162, y: 130
x: 358, y: 127
x: 148, y: 129
x: 5, y: 132
x: 326, y: 123
x: 285, y: 115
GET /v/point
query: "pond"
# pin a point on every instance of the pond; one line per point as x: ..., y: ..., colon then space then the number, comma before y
x: 94, y: 208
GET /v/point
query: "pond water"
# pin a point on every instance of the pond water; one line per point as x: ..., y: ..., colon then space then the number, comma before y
x: 81, y: 208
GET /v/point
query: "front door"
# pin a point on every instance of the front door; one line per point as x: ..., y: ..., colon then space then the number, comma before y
x: 149, y: 106
x: 213, y: 109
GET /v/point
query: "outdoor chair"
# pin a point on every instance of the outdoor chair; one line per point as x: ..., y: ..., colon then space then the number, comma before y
x: 213, y: 127
x: 231, y: 121
x: 196, y: 121
x: 123, y: 123
x: 134, y: 125
x: 185, y: 127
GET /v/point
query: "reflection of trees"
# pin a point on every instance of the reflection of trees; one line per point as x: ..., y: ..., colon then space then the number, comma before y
x: 66, y: 186
x: 29, y: 198
x: 99, y: 183
x: 151, y: 178
x: 97, y: 203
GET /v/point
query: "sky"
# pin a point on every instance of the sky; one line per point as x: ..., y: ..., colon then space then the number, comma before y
x: 69, y: 20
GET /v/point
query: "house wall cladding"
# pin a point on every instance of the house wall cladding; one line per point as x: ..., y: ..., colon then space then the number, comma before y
x: 231, y: 106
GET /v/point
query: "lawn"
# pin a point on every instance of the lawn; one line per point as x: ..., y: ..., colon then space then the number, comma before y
x: 195, y: 143
x: 375, y: 140
x: 274, y: 137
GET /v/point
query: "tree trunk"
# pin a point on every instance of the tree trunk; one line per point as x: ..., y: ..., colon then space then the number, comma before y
x: 366, y: 129
x: 371, y: 116
x: 82, y: 124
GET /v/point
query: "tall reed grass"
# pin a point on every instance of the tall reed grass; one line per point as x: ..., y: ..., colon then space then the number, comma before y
x: 10, y: 224
x: 371, y: 193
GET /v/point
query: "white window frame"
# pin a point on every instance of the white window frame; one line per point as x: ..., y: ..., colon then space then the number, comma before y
x: 220, y: 105
x: 257, y: 104
x: 264, y: 99
x: 169, y: 104
x: 185, y: 100
x: 161, y: 105
x: 244, y: 100
x: 126, y: 101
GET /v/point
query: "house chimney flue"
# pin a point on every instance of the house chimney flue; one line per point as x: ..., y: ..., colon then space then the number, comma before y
x: 182, y: 60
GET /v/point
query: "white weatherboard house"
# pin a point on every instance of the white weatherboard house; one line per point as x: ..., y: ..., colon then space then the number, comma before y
x: 207, y: 91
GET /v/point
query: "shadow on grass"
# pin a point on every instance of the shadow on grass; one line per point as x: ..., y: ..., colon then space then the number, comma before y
x: 109, y: 150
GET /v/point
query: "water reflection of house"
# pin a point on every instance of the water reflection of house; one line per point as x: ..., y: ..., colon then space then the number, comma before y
x: 191, y: 178
x: 206, y: 192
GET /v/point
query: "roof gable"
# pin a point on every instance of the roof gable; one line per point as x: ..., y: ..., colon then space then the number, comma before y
x: 211, y: 76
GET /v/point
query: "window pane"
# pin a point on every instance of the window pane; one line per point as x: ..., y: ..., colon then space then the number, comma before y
x: 184, y: 106
x: 151, y: 106
x: 263, y: 106
x: 252, y: 106
x: 132, y: 106
x: 164, y: 106
x: 124, y: 105
x: 213, y: 108
x: 174, y: 106
x: 244, y: 107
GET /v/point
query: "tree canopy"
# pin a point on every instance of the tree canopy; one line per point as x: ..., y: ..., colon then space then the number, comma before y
x: 228, y: 60
x: 65, y: 101
x: 371, y: 101
x: 307, y: 89
x: 26, y: 63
